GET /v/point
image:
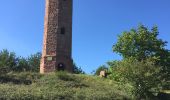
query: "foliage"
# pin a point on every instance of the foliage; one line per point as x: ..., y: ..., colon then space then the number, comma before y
x: 144, y: 76
x: 7, y: 60
x: 101, y: 68
x: 142, y: 43
x: 77, y: 70
x: 53, y: 87
x: 10, y: 62
x: 34, y: 62
x: 22, y: 65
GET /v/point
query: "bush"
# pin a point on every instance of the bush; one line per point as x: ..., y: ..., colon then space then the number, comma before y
x: 101, y: 68
x: 77, y: 70
x: 144, y: 76
x: 8, y: 60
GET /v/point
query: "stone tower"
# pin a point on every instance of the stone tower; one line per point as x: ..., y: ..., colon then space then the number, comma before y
x: 57, y: 44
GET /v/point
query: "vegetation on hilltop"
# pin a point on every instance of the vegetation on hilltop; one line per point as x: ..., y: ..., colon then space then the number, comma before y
x: 143, y: 73
x: 145, y: 64
x: 60, y: 86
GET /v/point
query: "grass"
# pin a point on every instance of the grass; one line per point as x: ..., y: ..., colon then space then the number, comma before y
x: 60, y: 86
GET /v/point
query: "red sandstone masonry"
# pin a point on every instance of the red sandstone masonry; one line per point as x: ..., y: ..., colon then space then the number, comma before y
x: 57, y: 47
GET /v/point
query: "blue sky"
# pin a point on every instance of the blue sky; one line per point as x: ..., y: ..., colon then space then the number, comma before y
x: 96, y: 24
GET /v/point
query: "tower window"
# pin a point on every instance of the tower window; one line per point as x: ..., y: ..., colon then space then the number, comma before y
x: 62, y: 30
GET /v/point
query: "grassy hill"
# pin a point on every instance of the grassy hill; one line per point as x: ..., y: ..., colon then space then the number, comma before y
x: 59, y: 86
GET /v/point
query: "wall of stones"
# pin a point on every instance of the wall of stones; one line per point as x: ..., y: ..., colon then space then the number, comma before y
x: 57, y: 47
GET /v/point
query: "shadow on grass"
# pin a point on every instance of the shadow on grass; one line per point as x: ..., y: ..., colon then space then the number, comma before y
x: 7, y: 79
x: 71, y: 80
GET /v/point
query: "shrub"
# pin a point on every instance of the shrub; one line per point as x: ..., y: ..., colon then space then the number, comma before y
x: 77, y: 70
x: 144, y: 76
x: 7, y: 60
x: 101, y: 68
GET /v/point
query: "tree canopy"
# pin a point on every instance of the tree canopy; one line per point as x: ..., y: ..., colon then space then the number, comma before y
x: 142, y: 44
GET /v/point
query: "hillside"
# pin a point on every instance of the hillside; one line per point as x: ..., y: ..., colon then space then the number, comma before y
x: 59, y: 86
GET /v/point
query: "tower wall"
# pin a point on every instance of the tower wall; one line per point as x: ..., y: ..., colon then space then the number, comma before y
x: 57, y: 44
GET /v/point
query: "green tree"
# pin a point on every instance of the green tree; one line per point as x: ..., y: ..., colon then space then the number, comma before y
x: 7, y: 60
x: 22, y: 65
x: 34, y: 62
x: 142, y: 43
